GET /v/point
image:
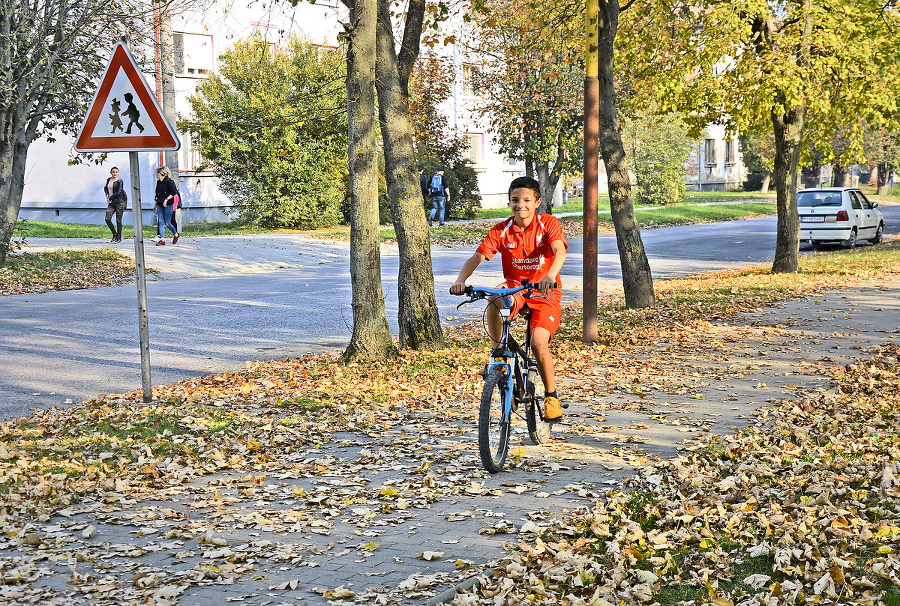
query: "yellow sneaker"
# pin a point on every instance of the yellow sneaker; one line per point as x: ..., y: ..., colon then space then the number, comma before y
x: 552, y: 410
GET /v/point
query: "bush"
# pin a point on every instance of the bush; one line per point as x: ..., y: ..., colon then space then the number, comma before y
x: 465, y: 198
x: 267, y: 125
x: 658, y: 149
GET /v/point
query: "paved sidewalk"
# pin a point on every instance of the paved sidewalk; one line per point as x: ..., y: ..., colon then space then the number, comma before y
x: 311, y: 528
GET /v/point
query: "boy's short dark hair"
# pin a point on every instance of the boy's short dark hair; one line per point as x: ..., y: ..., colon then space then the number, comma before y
x: 527, y: 183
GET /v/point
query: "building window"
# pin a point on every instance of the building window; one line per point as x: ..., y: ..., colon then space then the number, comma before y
x: 474, y: 147
x: 192, y: 157
x: 471, y: 80
x: 729, y: 151
x: 194, y: 55
x: 709, y: 152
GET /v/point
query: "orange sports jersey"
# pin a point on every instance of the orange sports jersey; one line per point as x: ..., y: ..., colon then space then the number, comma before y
x: 525, y: 253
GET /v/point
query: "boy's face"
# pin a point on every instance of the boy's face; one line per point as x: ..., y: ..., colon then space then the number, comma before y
x: 523, y: 202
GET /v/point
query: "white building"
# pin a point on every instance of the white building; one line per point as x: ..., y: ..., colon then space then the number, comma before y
x: 715, y: 164
x: 57, y: 191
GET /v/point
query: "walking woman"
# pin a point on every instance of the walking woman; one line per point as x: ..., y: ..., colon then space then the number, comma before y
x: 163, y: 204
x: 116, y: 201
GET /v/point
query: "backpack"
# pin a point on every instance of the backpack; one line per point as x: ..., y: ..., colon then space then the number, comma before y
x: 435, y: 189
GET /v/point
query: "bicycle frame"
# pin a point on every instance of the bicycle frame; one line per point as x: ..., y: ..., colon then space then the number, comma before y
x: 507, y: 353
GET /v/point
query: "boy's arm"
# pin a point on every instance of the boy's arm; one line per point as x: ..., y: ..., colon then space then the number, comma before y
x: 546, y: 284
x: 459, y: 287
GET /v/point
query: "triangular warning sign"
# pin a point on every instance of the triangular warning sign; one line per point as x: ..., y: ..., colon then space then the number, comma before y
x: 125, y: 115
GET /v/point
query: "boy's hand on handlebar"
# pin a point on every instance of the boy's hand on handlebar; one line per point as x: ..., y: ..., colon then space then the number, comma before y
x: 545, y: 285
x: 458, y: 288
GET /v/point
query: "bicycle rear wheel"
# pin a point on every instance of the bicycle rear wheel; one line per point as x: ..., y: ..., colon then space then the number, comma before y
x: 538, y: 428
x: 493, y: 431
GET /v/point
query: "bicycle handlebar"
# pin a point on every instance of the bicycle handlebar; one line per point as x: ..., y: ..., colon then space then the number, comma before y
x: 480, y: 292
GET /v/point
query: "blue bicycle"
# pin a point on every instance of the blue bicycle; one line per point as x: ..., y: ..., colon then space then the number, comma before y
x: 511, y: 382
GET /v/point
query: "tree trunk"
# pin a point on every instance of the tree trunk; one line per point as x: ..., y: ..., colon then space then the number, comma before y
x: 811, y: 175
x: 873, y: 176
x: 765, y: 183
x: 788, y: 128
x: 12, y: 180
x: 371, y: 336
x: 840, y: 176
x: 418, y: 317
x: 636, y: 278
x: 884, y: 169
x: 548, y: 178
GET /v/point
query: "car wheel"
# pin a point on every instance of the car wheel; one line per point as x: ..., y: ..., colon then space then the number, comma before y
x: 879, y: 234
x: 851, y: 241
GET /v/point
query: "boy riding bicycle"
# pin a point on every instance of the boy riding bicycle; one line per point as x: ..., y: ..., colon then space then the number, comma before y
x: 532, y: 247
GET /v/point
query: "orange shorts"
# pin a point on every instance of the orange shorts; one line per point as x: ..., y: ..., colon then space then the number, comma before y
x: 545, y: 313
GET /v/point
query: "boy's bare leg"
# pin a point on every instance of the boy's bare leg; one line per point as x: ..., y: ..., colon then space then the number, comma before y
x: 540, y: 345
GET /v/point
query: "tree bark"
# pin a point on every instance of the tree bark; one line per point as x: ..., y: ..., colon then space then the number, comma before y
x: 839, y: 175
x: 12, y: 181
x: 636, y: 278
x: 371, y: 336
x: 788, y: 129
x: 873, y: 176
x: 548, y: 177
x: 811, y: 175
x: 884, y: 170
x: 418, y: 317
x: 765, y: 184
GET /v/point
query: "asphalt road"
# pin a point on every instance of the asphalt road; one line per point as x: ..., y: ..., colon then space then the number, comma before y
x: 218, y: 302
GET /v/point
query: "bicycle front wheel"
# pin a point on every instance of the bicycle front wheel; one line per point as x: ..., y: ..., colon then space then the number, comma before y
x: 493, y: 430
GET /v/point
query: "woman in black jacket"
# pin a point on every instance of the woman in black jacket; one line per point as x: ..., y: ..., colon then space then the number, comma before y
x: 163, y: 203
x: 116, y: 201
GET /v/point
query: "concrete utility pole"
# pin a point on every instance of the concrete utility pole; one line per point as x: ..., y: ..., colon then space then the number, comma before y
x: 167, y: 65
x: 591, y: 171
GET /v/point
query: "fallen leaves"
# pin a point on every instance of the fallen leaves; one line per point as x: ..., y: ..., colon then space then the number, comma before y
x: 811, y: 512
x: 290, y: 447
x: 64, y: 270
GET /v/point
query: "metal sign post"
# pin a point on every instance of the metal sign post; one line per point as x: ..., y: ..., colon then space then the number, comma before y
x: 140, y: 270
x: 125, y: 116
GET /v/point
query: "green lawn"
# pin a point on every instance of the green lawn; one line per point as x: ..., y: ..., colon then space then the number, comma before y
x: 691, y: 198
x: 50, y: 229
x: 694, y: 210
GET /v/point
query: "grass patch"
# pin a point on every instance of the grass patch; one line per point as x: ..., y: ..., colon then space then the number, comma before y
x: 677, y: 594
x: 695, y: 213
x: 50, y: 229
x: 700, y: 197
x: 64, y: 270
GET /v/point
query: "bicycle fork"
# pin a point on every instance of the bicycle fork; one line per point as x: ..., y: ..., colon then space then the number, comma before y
x: 503, y: 359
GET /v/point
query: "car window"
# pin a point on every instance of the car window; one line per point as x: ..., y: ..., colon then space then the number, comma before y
x: 864, y: 200
x: 818, y: 198
x: 854, y: 201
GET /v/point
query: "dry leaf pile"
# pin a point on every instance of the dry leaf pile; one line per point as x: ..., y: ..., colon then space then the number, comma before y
x: 802, y: 508
x: 64, y: 270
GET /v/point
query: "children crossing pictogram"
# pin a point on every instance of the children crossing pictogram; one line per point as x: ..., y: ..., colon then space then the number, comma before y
x: 140, y: 126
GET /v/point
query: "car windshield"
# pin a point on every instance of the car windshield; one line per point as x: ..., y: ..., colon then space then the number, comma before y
x: 819, y: 198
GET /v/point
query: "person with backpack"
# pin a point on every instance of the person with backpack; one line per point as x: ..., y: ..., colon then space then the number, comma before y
x: 439, y: 192
x: 116, y: 201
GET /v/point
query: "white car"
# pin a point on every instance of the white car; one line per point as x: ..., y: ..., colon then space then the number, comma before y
x: 838, y: 214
